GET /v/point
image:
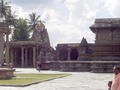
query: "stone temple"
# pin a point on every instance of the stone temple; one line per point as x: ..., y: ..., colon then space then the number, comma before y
x: 27, y: 53
x: 100, y: 56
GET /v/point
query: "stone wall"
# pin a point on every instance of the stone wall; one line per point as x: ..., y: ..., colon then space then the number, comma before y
x: 70, y: 66
x: 85, y: 66
x: 107, y: 31
x: 103, y: 66
x: 103, y: 36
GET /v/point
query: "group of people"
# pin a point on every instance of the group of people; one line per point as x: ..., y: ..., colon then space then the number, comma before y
x: 115, y: 84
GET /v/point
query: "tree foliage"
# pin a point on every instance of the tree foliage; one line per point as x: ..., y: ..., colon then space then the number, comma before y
x: 21, y: 28
x: 21, y: 32
x: 33, y: 20
x: 11, y: 19
x: 4, y: 9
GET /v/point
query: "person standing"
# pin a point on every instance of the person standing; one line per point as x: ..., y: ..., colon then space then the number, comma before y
x: 116, y: 81
x: 38, y: 65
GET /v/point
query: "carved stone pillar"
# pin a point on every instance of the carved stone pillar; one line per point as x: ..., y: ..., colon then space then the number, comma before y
x: 1, y: 48
x: 26, y: 57
x: 15, y: 56
x: 7, y: 48
x: 34, y: 56
x: 4, y: 29
x: 69, y: 50
x: 37, y: 52
x: 22, y: 57
x: 11, y: 52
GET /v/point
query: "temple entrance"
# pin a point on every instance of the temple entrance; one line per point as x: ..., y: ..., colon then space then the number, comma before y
x: 74, y: 54
x: 63, y: 54
x: 17, y: 57
x: 29, y: 58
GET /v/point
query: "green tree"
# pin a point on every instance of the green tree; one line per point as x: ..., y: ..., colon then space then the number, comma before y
x: 11, y: 19
x: 33, y: 20
x: 4, y: 9
x: 21, y: 32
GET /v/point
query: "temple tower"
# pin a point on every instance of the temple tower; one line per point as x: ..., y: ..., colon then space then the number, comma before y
x: 40, y: 34
x: 83, y: 50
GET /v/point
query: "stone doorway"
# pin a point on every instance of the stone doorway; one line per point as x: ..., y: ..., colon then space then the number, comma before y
x: 63, y: 54
x: 74, y: 54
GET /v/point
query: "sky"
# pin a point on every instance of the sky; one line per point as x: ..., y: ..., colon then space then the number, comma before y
x: 68, y: 21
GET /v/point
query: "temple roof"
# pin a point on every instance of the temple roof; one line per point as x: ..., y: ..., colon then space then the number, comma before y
x: 24, y: 43
x: 106, y: 23
x: 68, y: 45
x: 83, y: 44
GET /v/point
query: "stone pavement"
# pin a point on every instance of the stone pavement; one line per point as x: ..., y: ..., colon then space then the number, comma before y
x: 76, y: 81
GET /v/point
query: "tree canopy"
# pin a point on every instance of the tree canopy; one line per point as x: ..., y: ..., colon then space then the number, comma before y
x: 21, y: 27
x: 4, y: 9
x: 21, y: 32
x: 33, y: 20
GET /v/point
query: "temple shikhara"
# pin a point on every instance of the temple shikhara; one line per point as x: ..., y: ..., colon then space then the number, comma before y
x: 100, y: 56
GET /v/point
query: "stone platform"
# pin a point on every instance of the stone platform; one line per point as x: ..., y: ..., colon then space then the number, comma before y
x: 85, y: 66
x: 6, y: 73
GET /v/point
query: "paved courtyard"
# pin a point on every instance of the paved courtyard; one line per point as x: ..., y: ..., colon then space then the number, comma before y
x: 76, y: 81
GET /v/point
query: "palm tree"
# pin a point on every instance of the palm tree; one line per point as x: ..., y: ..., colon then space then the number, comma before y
x: 33, y: 21
x: 11, y: 19
x: 4, y: 9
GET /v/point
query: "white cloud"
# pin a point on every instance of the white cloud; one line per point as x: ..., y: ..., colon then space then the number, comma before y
x: 69, y: 20
x: 113, y: 7
x: 66, y: 22
x: 19, y: 11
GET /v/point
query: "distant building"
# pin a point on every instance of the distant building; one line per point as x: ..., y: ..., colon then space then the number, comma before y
x: 27, y: 53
